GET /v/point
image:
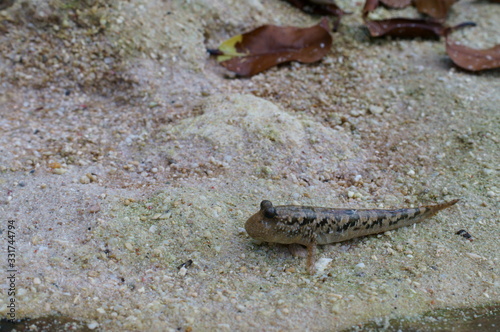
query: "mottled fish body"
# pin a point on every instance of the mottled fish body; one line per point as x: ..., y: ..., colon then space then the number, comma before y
x: 310, y: 226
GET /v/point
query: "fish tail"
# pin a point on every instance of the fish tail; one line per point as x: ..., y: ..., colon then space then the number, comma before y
x: 433, y: 209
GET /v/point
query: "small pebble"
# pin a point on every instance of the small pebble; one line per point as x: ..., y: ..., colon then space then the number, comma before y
x: 321, y: 264
x: 376, y: 109
x: 84, y: 180
x: 93, y: 325
x: 94, y: 208
x: 36, y: 240
x: 472, y: 255
x: 92, y: 177
x: 59, y: 171
x: 54, y: 165
x: 182, y: 271
x: 355, y: 113
x: 266, y: 170
x: 360, y: 265
x: 488, y: 171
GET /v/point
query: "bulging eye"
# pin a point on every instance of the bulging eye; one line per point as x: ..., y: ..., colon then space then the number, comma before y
x: 265, y: 205
x: 270, y: 212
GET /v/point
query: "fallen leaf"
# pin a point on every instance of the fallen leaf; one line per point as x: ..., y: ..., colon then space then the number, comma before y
x: 434, y: 8
x: 473, y: 59
x: 269, y: 45
x: 410, y: 28
x: 437, y: 9
x: 370, y: 5
x: 405, y: 28
x: 320, y: 7
x: 396, y: 3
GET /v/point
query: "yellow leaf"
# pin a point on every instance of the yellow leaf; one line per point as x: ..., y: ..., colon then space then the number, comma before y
x: 228, y: 47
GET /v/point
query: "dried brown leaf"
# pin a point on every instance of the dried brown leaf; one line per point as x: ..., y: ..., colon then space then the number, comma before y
x: 370, y: 5
x: 396, y: 3
x: 434, y: 8
x: 320, y: 7
x: 405, y: 28
x: 411, y: 28
x: 269, y: 45
x: 473, y: 59
x: 437, y: 9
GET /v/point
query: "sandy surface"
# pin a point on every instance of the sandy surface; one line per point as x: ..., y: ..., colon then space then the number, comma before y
x: 126, y: 152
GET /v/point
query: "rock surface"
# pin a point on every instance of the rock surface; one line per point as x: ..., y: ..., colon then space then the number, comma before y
x: 130, y: 161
